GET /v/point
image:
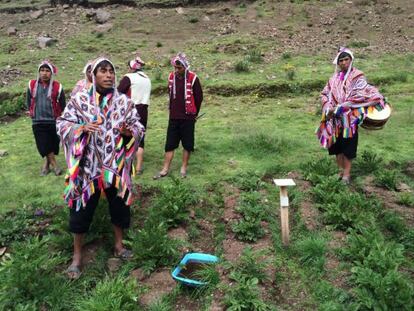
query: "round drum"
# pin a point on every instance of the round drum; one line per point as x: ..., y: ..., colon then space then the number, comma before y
x: 375, y: 120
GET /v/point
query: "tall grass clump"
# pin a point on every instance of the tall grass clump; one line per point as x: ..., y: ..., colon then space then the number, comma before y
x: 369, y: 163
x: 173, y: 202
x: 312, y: 252
x: 242, y: 66
x: 262, y: 144
x: 252, y: 264
x: 153, y: 247
x: 29, y: 275
x: 255, y: 56
x: 117, y: 293
x: 387, y: 179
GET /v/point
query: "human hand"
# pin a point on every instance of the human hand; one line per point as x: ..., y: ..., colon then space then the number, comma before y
x: 91, y: 128
x: 124, y: 131
x: 27, y: 113
x: 330, y: 113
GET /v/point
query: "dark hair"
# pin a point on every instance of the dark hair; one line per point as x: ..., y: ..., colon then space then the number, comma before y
x: 45, y: 66
x: 343, y: 55
x: 177, y: 62
x: 103, y: 64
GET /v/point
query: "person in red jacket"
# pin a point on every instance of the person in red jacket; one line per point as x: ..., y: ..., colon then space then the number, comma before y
x: 45, y: 102
x: 186, y: 97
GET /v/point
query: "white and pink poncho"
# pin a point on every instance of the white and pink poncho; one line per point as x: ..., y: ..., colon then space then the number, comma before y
x: 102, y: 158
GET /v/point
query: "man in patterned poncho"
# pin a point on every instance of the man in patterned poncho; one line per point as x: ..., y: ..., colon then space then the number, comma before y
x: 100, y: 132
x: 345, y: 99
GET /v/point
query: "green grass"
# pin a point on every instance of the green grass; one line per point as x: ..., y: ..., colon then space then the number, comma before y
x: 259, y: 125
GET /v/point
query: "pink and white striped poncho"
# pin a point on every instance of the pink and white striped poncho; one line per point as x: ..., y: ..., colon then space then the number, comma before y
x: 349, y: 95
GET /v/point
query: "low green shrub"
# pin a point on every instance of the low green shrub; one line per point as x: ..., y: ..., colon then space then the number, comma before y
x: 153, y: 247
x: 349, y: 210
x: 172, y: 204
x: 317, y: 170
x: 406, y: 199
x: 369, y: 163
x: 244, y: 295
x: 111, y: 293
x: 387, y: 179
x: 28, y: 276
x: 247, y: 181
x: 252, y: 264
x: 367, y: 248
x: 327, y: 190
x: 248, y: 229
x: 12, y: 105
x: 376, y: 291
x: 193, y: 20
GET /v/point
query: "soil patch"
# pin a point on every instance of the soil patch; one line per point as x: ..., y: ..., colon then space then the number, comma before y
x: 159, y: 283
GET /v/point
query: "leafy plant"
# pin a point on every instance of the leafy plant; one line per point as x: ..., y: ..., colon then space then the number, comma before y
x: 172, y: 204
x: 244, y: 295
x: 116, y: 293
x: 248, y: 229
x: 290, y: 71
x: 376, y: 291
x: 387, y: 179
x: 152, y: 246
x: 317, y: 170
x: 370, y: 162
x: 348, y: 210
x: 29, y: 274
x: 252, y: 264
x: 247, y: 181
x: 406, y: 199
x: 193, y: 20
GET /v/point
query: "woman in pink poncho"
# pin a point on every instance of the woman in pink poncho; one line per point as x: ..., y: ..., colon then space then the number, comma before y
x: 345, y: 100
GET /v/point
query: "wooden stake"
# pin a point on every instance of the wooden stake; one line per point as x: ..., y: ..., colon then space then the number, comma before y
x: 284, y: 207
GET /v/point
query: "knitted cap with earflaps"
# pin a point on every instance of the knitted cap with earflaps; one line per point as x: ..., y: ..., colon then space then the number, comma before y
x: 54, y: 71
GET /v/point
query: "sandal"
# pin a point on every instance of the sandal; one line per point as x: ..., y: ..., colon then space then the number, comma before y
x: 73, y: 272
x: 44, y: 171
x: 183, y: 174
x: 58, y: 171
x: 125, y: 254
x: 159, y: 175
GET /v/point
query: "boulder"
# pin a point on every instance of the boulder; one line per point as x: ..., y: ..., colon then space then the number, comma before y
x: 180, y: 10
x: 11, y: 31
x: 103, y: 28
x: 36, y: 14
x: 3, y: 153
x: 44, y: 42
x: 102, y: 16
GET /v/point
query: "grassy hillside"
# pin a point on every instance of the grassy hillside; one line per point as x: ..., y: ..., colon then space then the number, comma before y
x: 262, y: 65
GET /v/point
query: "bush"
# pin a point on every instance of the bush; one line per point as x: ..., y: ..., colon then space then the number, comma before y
x: 11, y: 104
x: 370, y: 162
x: 252, y: 264
x: 248, y: 229
x: 193, y: 20
x: 244, y: 295
x: 286, y: 55
x: 29, y: 275
x: 406, y: 199
x: 171, y: 206
x: 391, y: 291
x: 152, y: 247
x: 327, y: 190
x: 247, y: 181
x: 111, y: 294
x: 387, y: 179
x: 348, y: 210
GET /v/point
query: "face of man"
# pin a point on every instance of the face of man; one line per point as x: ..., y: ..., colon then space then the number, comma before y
x: 179, y: 69
x: 45, y: 74
x: 344, y: 63
x: 105, y: 77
